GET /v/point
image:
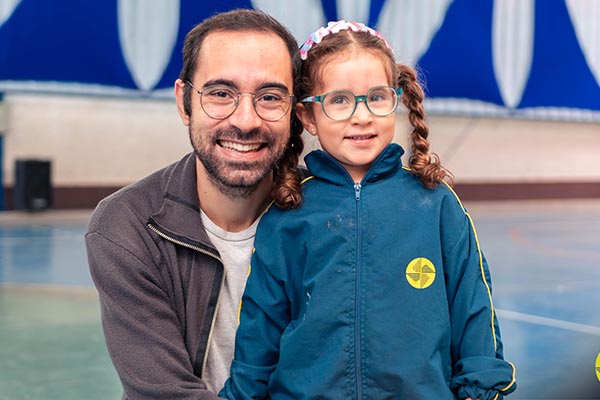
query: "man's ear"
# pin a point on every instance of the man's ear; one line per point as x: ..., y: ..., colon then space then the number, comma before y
x: 306, y: 116
x: 179, y: 91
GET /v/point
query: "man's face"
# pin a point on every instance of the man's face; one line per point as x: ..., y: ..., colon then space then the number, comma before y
x: 241, y: 150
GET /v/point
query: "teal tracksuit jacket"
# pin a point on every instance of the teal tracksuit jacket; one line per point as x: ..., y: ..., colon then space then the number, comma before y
x: 377, y: 290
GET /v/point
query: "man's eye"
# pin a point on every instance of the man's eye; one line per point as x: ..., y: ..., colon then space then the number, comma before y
x: 270, y: 96
x: 219, y: 93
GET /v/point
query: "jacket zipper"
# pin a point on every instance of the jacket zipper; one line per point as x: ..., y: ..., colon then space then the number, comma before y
x: 208, y: 253
x: 357, y: 306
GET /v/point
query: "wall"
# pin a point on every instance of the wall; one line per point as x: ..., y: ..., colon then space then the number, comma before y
x: 92, y: 141
x: 104, y: 143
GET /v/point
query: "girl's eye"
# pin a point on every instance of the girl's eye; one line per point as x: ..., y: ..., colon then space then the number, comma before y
x: 379, y: 96
x: 339, y: 99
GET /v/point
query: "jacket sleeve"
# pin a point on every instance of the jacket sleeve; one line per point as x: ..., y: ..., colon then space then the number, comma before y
x: 479, y: 369
x: 264, y: 316
x: 143, y: 334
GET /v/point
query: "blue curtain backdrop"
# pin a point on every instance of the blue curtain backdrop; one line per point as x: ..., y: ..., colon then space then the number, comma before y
x: 458, y: 62
x: 560, y: 75
x: 59, y: 45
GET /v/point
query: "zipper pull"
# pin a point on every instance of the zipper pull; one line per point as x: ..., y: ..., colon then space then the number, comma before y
x: 357, y: 188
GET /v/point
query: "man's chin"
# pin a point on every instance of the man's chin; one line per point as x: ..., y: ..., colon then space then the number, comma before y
x: 235, y: 178
x: 242, y: 184
x: 237, y: 190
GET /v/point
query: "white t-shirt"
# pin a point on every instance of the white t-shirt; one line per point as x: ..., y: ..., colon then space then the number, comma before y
x: 235, y: 249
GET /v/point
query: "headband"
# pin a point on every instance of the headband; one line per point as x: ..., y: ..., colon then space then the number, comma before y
x: 335, y: 27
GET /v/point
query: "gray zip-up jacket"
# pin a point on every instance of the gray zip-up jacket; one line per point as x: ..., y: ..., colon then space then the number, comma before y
x: 159, y: 277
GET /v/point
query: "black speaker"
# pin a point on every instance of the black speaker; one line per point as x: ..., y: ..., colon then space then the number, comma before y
x: 33, y: 186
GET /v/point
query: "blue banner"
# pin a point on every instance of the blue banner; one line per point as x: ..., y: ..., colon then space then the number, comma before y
x: 473, y: 54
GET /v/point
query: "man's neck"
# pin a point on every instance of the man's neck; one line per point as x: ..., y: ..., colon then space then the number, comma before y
x: 231, y: 214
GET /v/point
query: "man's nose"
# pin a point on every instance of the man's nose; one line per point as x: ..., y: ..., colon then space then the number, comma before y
x: 245, y: 116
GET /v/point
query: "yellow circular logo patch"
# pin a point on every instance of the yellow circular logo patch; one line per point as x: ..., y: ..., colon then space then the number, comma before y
x: 598, y: 367
x: 420, y: 273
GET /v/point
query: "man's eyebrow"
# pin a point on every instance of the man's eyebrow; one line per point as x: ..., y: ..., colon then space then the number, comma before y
x: 277, y: 85
x: 230, y: 83
x: 225, y: 82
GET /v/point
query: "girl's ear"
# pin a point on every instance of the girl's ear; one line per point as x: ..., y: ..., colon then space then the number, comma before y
x: 305, y: 115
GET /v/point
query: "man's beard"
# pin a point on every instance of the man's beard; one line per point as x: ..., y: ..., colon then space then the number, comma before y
x: 234, y: 179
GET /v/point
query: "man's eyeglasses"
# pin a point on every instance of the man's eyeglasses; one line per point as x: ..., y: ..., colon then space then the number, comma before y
x: 339, y: 105
x: 220, y: 101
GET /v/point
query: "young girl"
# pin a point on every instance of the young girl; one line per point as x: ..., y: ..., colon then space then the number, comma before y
x: 375, y: 286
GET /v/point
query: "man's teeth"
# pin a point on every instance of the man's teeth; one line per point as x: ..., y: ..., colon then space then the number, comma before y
x: 239, y: 146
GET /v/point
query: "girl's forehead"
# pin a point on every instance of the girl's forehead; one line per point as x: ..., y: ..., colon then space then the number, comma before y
x: 343, y: 65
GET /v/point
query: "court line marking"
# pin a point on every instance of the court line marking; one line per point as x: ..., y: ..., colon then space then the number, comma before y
x: 522, y: 235
x: 555, y: 323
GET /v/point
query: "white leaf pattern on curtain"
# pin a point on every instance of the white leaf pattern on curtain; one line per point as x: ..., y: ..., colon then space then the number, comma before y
x: 7, y: 7
x: 353, y: 10
x: 409, y: 26
x: 301, y: 17
x: 585, y: 15
x: 148, y: 33
x: 512, y: 48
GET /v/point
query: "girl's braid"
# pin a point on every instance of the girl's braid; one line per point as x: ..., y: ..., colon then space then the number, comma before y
x: 286, y: 190
x: 424, y: 164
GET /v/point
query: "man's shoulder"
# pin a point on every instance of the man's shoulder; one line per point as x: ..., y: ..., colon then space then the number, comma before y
x: 136, y: 201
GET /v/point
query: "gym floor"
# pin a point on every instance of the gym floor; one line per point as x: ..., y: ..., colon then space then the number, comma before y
x: 544, y: 259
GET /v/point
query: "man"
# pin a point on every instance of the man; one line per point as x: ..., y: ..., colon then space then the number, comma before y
x: 169, y: 254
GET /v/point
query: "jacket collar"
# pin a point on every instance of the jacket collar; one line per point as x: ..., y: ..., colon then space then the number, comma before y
x: 323, y: 166
x: 179, y: 214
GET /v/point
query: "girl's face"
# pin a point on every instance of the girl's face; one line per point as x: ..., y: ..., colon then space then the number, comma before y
x: 355, y: 142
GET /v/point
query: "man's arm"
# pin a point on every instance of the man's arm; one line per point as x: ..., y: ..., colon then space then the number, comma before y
x: 143, y: 334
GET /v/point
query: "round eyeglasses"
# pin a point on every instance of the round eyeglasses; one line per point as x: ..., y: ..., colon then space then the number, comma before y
x: 220, y: 101
x: 339, y: 105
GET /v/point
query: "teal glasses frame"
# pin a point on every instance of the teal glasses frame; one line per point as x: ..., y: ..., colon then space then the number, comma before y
x: 364, y: 98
